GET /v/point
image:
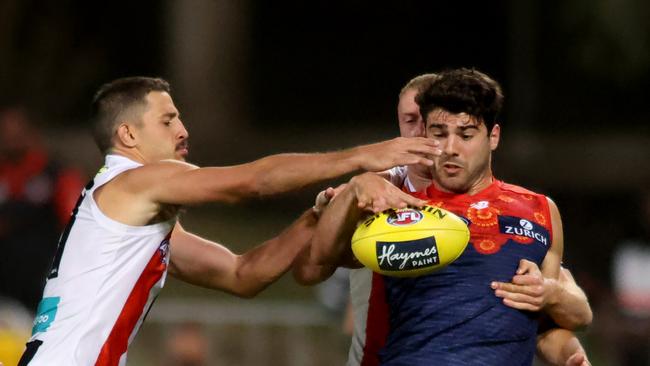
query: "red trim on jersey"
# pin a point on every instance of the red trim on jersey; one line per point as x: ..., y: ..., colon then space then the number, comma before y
x: 377, y: 325
x: 118, y: 340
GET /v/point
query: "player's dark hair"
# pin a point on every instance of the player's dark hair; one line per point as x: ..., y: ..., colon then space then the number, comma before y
x: 463, y: 91
x: 115, y: 98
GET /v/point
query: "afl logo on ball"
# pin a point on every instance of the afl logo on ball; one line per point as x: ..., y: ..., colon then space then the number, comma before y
x: 404, y: 217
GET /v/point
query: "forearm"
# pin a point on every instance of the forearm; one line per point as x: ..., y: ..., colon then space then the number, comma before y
x: 334, y: 230
x: 557, y: 345
x: 208, y: 264
x: 307, y: 273
x: 286, y: 172
x: 263, y: 265
x: 569, y: 306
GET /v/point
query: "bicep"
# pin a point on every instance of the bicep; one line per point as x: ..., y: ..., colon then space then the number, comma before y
x: 551, y: 264
x: 201, y: 262
x: 179, y: 183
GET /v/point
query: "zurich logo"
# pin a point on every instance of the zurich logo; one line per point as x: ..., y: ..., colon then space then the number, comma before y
x: 405, y: 217
x: 526, y: 224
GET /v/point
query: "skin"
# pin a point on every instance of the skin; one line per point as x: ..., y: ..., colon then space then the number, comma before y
x: 155, y: 136
x: 411, y: 125
x: 463, y: 167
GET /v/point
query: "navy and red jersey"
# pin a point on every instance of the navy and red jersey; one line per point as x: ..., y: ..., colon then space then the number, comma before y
x: 452, y: 317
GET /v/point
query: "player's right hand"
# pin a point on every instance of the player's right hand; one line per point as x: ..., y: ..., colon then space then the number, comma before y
x: 376, y: 194
x: 399, y: 151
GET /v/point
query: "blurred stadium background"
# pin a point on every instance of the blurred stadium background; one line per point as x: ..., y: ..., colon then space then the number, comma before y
x: 255, y: 78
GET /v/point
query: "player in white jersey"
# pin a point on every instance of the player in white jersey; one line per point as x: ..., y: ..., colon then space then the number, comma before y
x: 123, y: 234
x: 557, y: 346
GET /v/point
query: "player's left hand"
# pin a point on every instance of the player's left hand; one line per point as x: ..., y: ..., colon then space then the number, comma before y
x: 529, y: 290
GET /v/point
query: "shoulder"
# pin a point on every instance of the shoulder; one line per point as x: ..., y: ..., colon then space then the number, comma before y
x: 145, y: 176
x: 511, y: 188
x: 529, y: 198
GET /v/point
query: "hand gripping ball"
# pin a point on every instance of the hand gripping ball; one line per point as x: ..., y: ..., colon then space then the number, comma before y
x: 410, y: 242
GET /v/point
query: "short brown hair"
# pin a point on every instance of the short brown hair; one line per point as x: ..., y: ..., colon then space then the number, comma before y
x: 115, y: 98
x: 419, y: 83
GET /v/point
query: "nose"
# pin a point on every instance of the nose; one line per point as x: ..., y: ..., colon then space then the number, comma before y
x: 183, y: 134
x: 449, y: 145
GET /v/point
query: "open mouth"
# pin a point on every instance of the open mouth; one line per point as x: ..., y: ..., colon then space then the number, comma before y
x: 451, y: 168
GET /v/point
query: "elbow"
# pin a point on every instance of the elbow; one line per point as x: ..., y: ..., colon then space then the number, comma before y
x: 578, y: 322
x: 585, y: 320
x: 324, y: 254
x: 247, y: 293
x: 305, y: 277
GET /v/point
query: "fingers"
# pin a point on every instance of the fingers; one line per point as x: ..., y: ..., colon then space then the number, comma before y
x: 321, y: 201
x: 520, y: 301
x: 387, y: 201
x: 420, y: 145
x: 502, y: 289
x: 528, y: 280
x: 416, y: 159
x: 330, y: 193
x: 526, y: 266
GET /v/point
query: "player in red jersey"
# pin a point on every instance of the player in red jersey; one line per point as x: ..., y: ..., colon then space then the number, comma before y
x: 515, y: 294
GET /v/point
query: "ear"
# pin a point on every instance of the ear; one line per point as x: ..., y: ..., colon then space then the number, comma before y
x: 125, y: 135
x: 495, y: 135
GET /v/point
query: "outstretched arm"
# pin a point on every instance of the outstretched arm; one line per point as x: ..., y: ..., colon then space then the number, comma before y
x: 173, y: 182
x: 204, y: 263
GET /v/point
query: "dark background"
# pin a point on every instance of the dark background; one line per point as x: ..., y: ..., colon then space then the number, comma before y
x: 254, y: 78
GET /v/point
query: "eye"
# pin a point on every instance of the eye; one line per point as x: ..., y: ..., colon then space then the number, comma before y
x: 466, y: 137
x: 168, y: 123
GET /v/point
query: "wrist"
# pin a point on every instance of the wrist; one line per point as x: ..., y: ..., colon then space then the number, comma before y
x: 554, y: 292
x: 357, y: 157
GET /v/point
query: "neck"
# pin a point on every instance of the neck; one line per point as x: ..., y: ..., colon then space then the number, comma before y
x: 132, y: 154
x: 479, y: 184
x: 419, y: 177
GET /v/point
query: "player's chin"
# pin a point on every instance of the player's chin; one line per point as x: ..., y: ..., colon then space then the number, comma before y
x: 453, y: 184
x: 181, y: 154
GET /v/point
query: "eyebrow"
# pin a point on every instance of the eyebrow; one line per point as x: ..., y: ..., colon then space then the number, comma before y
x: 170, y: 115
x: 443, y: 126
x: 464, y: 128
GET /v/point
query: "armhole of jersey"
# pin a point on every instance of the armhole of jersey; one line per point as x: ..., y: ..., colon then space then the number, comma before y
x: 30, y: 352
x: 547, y: 208
x: 113, y: 225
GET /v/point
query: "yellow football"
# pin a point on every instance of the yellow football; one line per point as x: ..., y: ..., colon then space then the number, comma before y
x: 410, y: 242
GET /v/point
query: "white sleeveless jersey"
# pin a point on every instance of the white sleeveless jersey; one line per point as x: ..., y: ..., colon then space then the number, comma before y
x: 103, y: 281
x: 361, y: 287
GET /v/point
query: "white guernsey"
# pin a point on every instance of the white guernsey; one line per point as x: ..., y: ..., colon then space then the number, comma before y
x: 104, y: 279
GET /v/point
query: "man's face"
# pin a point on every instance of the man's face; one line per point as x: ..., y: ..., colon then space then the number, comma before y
x: 466, y: 150
x: 408, y: 115
x: 161, y: 135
